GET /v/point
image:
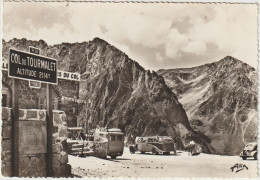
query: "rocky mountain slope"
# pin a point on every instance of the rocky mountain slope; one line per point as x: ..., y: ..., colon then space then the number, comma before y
x: 118, y: 91
x: 220, y: 100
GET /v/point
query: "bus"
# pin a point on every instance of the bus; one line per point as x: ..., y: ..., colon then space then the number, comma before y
x: 112, y: 140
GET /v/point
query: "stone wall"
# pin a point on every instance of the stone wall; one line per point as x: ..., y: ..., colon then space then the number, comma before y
x: 28, y: 97
x: 6, y: 134
x: 61, y: 168
x: 34, y: 164
x: 31, y: 98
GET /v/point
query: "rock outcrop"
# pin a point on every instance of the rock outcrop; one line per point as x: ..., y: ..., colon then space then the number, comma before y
x: 220, y: 100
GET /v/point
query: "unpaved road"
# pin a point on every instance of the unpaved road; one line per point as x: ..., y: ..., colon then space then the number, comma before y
x: 159, y: 166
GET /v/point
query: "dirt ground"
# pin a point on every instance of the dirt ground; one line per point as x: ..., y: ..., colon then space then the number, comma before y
x: 162, y: 166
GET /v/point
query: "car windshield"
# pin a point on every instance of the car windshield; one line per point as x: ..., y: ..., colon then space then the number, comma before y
x: 120, y: 138
x: 113, y: 137
x: 250, y: 146
x: 165, y: 139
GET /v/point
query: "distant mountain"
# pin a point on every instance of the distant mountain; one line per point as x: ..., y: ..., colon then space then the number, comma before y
x: 119, y: 92
x: 220, y: 100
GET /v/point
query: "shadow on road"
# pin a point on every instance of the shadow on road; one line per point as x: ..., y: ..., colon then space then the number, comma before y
x: 120, y: 159
x: 117, y: 159
x: 251, y: 159
x: 150, y: 154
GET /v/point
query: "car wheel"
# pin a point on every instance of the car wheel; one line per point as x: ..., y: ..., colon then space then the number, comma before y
x: 113, y: 157
x: 132, y: 149
x: 244, y: 158
x: 142, y: 152
x: 154, y: 151
x: 255, y: 156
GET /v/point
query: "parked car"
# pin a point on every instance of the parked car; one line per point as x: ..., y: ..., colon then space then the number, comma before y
x: 250, y: 150
x: 154, y: 144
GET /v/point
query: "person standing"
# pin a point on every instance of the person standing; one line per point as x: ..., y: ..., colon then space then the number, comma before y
x: 191, y: 147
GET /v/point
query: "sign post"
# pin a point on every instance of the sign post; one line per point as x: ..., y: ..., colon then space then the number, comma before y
x: 34, y: 84
x: 29, y: 66
x: 15, y: 123
x: 49, y: 130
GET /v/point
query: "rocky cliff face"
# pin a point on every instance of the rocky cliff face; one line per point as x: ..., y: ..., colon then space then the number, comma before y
x: 220, y: 100
x: 118, y: 91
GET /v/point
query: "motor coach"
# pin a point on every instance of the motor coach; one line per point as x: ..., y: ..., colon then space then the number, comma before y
x: 115, y: 141
x: 153, y: 144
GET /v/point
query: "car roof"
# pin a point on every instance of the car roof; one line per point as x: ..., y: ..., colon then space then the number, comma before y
x: 75, y: 128
x: 113, y: 133
x: 154, y: 137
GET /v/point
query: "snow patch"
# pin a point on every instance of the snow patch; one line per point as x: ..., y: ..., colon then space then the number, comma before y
x: 199, y: 78
x: 252, y: 116
x: 190, y: 99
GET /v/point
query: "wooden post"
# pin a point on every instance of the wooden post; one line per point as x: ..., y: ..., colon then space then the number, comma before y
x: 15, y: 122
x: 49, y: 130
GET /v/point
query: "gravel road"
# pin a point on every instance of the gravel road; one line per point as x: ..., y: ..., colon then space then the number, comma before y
x: 159, y: 166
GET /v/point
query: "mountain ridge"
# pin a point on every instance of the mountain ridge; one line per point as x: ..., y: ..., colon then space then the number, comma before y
x: 220, y: 100
x: 228, y: 57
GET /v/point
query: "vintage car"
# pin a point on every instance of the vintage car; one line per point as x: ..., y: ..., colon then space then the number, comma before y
x: 153, y: 144
x: 250, y: 150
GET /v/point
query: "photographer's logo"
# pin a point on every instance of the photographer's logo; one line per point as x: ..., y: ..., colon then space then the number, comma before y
x: 238, y: 167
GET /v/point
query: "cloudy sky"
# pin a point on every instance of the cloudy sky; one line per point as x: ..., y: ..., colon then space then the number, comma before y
x: 157, y: 35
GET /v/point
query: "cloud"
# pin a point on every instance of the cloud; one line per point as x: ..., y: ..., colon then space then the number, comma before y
x: 122, y: 23
x: 154, y: 34
x: 158, y: 57
x: 179, y: 43
x: 195, y: 47
x: 230, y: 30
x: 28, y: 16
x: 36, y: 21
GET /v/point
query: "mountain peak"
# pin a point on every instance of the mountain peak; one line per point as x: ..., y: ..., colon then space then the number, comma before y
x: 232, y: 59
x: 229, y: 57
x: 99, y: 40
x: 229, y: 60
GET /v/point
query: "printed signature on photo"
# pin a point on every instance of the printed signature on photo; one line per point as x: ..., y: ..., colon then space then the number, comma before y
x: 238, y: 167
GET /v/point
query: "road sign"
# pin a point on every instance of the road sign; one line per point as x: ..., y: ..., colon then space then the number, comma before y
x: 34, y: 84
x: 4, y: 65
x: 61, y: 74
x: 28, y: 66
x: 34, y: 50
x: 69, y: 76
